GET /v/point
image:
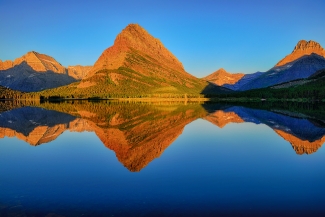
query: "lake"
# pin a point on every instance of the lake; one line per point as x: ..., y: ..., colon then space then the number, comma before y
x: 103, y: 158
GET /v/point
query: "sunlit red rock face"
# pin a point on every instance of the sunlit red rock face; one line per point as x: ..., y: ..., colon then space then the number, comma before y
x: 301, y: 146
x: 221, y: 77
x: 134, y: 37
x: 221, y: 118
x: 134, y: 48
x: 38, y: 62
x: 303, y: 48
x: 6, y: 64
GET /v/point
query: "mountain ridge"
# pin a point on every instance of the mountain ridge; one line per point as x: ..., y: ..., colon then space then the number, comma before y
x: 35, y: 71
x: 222, y: 77
x: 303, y: 48
x: 137, y: 65
x: 305, y: 60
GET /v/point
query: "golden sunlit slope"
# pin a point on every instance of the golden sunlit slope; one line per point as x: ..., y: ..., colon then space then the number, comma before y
x: 136, y: 64
x: 303, y: 48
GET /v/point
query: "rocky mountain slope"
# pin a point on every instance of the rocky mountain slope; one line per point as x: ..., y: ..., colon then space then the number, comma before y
x: 34, y: 72
x: 222, y: 77
x: 246, y: 79
x: 303, y: 48
x: 305, y: 60
x: 301, y: 68
x: 138, y: 63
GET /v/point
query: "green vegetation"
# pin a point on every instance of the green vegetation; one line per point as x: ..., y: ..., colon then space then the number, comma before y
x: 8, y: 94
x: 311, y: 90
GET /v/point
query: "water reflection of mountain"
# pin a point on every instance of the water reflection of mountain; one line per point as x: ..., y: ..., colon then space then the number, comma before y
x: 304, y: 134
x: 139, y: 133
x: 35, y: 125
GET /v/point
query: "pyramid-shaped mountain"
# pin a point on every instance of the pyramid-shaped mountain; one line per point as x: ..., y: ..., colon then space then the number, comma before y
x: 138, y: 64
x: 221, y: 77
x: 33, y: 72
x: 36, y: 61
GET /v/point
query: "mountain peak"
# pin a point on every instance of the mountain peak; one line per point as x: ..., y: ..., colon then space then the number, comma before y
x: 40, y: 62
x: 221, y: 70
x: 135, y: 39
x: 221, y: 77
x: 304, y: 45
x: 303, y: 48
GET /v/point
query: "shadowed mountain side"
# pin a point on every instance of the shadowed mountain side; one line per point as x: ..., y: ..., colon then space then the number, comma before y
x: 305, y: 59
x: 23, y: 77
x: 212, y: 89
x: 243, y: 81
x: 38, y: 62
x: 303, y: 67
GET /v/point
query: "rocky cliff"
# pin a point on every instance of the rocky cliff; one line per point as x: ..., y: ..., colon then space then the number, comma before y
x: 301, y: 49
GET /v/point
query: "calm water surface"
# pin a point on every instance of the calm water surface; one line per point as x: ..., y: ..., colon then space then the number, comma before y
x: 101, y: 159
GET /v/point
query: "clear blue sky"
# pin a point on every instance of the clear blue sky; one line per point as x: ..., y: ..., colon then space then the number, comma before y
x: 238, y: 35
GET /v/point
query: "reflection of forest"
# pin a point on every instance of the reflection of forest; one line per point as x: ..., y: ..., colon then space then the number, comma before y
x: 139, y: 132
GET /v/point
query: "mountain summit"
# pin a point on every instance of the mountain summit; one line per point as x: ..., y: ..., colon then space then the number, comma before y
x: 221, y: 77
x: 138, y: 64
x: 33, y: 72
x: 36, y: 61
x: 135, y: 38
x: 301, y: 49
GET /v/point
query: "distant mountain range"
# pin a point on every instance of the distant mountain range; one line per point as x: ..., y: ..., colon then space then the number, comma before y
x: 139, y: 65
x: 35, y: 72
x: 304, y: 61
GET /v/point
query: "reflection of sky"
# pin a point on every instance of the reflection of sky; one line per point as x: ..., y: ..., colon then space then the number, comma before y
x: 241, y: 167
